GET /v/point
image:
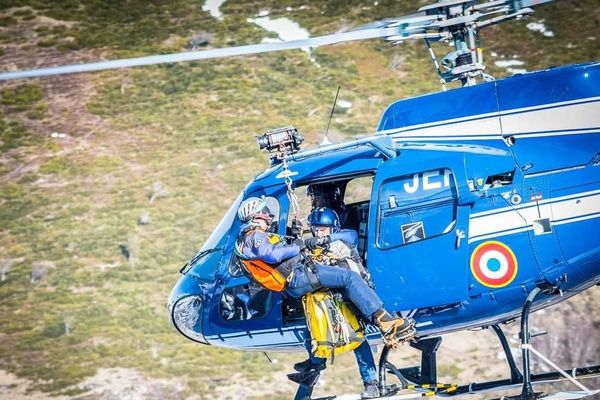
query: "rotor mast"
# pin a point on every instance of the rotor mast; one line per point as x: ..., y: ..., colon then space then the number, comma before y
x: 459, y: 21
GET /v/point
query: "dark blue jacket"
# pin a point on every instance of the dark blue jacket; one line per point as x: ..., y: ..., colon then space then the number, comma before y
x: 345, y: 235
x: 256, y: 246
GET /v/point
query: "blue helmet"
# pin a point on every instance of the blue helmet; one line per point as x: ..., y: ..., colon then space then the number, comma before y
x: 324, y: 216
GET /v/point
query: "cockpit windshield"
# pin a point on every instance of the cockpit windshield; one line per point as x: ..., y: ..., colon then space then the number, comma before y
x: 223, y: 228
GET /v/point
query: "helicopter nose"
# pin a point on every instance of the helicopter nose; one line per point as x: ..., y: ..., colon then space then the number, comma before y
x: 186, y: 314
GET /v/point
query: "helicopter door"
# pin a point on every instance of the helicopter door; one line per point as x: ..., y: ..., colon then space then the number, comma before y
x: 417, y: 252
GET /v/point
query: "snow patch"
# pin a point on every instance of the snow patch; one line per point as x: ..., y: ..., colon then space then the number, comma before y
x: 540, y: 27
x: 285, y: 29
x: 213, y: 7
x: 508, y: 64
x: 345, y: 104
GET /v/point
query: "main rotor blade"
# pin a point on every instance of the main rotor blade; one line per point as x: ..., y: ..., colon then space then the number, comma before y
x: 206, y: 54
x: 518, y: 4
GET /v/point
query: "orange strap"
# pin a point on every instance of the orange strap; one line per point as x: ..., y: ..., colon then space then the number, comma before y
x: 265, y: 275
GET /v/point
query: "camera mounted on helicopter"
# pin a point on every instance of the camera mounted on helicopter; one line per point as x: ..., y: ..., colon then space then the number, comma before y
x: 280, y: 142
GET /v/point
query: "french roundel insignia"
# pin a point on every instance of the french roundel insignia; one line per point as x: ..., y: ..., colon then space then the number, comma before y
x: 494, y: 264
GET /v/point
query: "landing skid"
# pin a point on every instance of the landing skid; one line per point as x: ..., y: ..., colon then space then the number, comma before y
x: 422, y: 381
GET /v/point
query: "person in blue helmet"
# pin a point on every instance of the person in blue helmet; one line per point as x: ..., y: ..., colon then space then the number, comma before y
x: 327, y: 194
x: 339, y: 249
x: 303, y: 276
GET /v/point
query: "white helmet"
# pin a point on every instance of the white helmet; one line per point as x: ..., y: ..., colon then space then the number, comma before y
x: 254, y: 207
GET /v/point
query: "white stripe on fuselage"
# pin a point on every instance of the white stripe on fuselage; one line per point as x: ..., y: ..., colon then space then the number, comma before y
x: 510, y: 220
x: 556, y: 119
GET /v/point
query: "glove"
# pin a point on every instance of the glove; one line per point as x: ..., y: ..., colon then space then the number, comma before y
x: 312, y: 243
x: 300, y: 243
x: 296, y: 229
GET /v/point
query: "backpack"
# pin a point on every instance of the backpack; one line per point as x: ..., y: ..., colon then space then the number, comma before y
x: 334, y: 329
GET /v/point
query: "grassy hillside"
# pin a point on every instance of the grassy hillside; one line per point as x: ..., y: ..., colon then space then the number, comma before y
x: 82, y: 156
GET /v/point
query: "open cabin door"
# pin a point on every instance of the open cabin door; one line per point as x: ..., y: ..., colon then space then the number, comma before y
x: 418, y: 238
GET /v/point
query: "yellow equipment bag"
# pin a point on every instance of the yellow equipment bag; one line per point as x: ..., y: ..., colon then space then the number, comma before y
x: 334, y: 329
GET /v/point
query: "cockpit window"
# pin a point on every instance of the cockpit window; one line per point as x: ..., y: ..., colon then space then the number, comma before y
x: 244, y: 302
x: 204, y: 263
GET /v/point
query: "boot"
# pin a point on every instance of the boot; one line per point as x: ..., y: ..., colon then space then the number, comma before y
x: 306, y: 378
x: 307, y: 365
x: 371, y: 390
x: 394, y: 329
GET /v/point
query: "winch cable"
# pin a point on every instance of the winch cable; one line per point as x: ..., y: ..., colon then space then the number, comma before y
x: 290, y: 191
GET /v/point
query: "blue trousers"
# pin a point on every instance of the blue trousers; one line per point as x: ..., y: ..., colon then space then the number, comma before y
x: 364, y: 359
x: 353, y: 286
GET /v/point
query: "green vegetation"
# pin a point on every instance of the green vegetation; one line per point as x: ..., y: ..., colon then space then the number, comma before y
x: 21, y: 97
x: 448, y: 371
x: 12, y: 134
x: 73, y: 198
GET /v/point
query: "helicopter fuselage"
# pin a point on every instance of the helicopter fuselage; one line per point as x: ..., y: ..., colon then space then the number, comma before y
x: 488, y: 192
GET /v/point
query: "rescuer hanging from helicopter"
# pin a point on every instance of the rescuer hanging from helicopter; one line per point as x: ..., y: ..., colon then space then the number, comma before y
x: 282, y: 267
x: 331, y: 245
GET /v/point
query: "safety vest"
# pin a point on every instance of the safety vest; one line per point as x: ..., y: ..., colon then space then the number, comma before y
x: 334, y: 329
x: 259, y: 271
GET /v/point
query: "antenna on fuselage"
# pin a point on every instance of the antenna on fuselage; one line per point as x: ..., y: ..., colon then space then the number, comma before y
x: 326, y: 139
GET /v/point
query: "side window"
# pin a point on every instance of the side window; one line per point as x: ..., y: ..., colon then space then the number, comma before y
x: 353, y: 208
x: 358, y: 190
x: 416, y: 207
x: 244, y: 302
x: 357, y: 198
x: 275, y: 209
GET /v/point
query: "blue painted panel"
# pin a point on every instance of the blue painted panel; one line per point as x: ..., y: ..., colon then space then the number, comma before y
x: 456, y: 103
x: 554, y: 152
x: 544, y: 243
x: 557, y: 135
x: 416, y: 207
x: 577, y: 225
x: 550, y: 86
x: 526, y: 90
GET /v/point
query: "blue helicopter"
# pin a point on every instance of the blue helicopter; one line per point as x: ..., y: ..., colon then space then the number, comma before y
x: 473, y: 206
x: 477, y: 208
